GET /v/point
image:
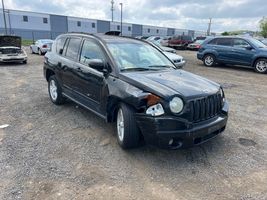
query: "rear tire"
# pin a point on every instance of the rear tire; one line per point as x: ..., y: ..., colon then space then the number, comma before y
x: 55, y: 91
x: 40, y: 52
x: 260, y: 66
x: 128, y: 133
x: 209, y: 60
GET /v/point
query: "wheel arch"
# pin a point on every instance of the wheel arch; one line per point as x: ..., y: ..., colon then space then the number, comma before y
x: 257, y: 58
x: 49, y: 73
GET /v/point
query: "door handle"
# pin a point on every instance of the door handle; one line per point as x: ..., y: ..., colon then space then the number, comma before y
x: 78, y: 69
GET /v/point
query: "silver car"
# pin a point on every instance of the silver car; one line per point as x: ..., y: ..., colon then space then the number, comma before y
x: 41, y: 46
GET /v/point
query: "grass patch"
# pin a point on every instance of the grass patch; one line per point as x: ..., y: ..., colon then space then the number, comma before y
x: 26, y: 42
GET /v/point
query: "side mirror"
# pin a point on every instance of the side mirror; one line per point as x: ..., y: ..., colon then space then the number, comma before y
x: 248, y: 47
x: 97, y: 64
x: 60, y: 51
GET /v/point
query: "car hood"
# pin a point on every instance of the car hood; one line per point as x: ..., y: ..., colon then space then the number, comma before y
x: 7, y: 41
x: 173, y: 56
x: 167, y: 83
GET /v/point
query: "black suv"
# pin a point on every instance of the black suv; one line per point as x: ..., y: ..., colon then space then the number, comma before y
x: 132, y: 83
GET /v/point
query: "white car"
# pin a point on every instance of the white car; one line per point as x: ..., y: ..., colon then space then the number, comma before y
x: 41, y: 46
x: 165, y: 41
x: 11, y: 51
x: 178, y: 60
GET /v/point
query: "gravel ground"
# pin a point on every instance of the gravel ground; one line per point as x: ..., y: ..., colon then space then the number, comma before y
x: 66, y: 152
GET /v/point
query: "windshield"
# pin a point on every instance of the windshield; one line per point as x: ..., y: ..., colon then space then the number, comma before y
x: 133, y: 56
x: 257, y: 43
x: 199, y: 41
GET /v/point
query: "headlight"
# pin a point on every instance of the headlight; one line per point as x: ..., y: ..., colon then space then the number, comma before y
x: 155, y: 110
x: 176, y: 105
x: 222, y: 95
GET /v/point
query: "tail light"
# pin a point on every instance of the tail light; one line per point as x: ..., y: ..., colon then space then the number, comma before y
x: 45, y: 46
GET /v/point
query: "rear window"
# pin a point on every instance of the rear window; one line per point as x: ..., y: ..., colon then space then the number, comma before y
x: 60, y: 43
x: 73, y: 48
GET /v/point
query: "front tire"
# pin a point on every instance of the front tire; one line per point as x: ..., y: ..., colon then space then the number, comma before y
x: 128, y: 133
x: 209, y: 60
x: 55, y: 91
x: 260, y: 66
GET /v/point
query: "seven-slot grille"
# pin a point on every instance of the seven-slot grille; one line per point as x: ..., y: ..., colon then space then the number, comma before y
x: 205, y: 108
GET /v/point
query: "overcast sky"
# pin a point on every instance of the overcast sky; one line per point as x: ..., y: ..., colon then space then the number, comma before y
x: 227, y: 15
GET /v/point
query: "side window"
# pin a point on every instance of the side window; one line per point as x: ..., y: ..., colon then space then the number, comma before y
x: 60, y: 43
x: 73, y: 48
x: 240, y: 43
x: 90, y: 50
x: 224, y: 41
x: 213, y: 42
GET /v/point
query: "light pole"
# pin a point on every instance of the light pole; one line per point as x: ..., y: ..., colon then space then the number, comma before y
x: 112, y: 9
x: 4, y: 15
x: 121, y: 17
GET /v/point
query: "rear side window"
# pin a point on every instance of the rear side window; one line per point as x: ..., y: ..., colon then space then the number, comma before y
x: 60, y: 43
x: 73, y: 48
x: 90, y: 50
x: 224, y: 41
x: 214, y: 41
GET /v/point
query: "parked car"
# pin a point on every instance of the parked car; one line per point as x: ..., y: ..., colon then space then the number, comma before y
x: 142, y: 37
x: 178, y: 60
x: 132, y: 83
x: 154, y: 38
x: 235, y: 51
x: 195, y: 45
x: 165, y: 41
x: 180, y: 41
x: 41, y: 46
x: 11, y: 50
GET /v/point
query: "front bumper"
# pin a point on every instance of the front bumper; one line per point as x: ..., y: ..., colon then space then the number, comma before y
x: 173, y: 132
x: 10, y: 59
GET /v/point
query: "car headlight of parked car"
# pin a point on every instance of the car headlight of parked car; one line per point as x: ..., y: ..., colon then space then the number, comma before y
x: 176, y: 105
x: 222, y: 95
x: 155, y: 110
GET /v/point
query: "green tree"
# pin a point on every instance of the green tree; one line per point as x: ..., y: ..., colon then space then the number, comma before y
x: 263, y: 26
x: 225, y: 33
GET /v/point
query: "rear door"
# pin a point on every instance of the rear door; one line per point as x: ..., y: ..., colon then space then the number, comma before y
x: 223, y: 47
x: 67, y: 63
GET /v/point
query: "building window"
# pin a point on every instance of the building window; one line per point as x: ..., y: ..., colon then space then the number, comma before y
x: 148, y: 30
x: 129, y: 28
x: 25, y: 18
x: 118, y: 27
x: 173, y: 32
x: 93, y: 25
x: 157, y: 30
x: 78, y: 23
x: 45, y: 20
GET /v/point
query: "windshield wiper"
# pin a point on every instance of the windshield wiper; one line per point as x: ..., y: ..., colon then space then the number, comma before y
x: 137, y: 69
x: 160, y: 66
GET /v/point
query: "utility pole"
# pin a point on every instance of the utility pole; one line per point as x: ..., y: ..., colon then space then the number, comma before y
x: 121, y: 17
x: 4, y: 15
x: 112, y: 9
x: 209, y: 27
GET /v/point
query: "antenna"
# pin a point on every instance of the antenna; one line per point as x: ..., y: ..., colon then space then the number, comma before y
x: 112, y: 9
